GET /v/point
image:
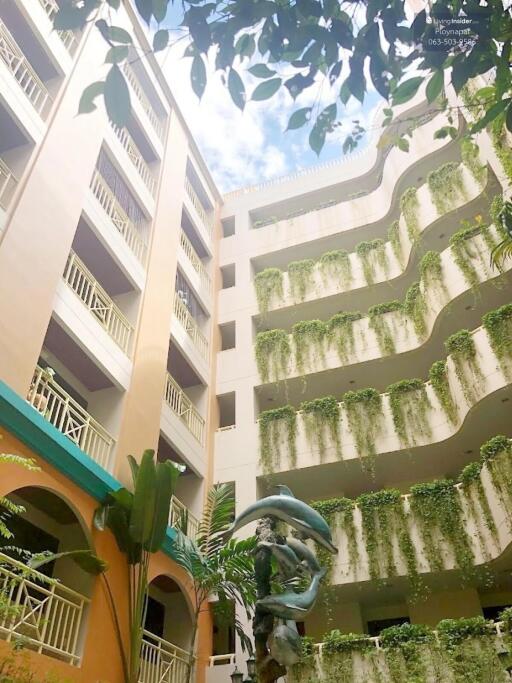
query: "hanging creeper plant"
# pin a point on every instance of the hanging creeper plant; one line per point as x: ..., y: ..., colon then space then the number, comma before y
x: 415, y: 307
x: 383, y: 325
x: 446, y: 185
x: 496, y: 454
x: 462, y: 349
x: 498, y: 325
x: 478, y: 504
x: 409, y: 407
x: 409, y: 206
x: 340, y: 332
x: 438, y: 376
x: 336, y: 265
x: 321, y: 416
x: 467, y: 253
x: 273, y: 426
x: 431, y: 271
x: 470, y: 158
x: 339, y: 514
x: 272, y: 353
x: 372, y: 253
x: 309, y: 342
x: 364, y: 413
x: 396, y: 244
x: 300, y: 274
x: 269, y: 287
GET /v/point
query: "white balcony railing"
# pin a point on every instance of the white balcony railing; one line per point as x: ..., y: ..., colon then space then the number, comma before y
x: 68, y: 416
x: 222, y: 660
x: 43, y: 614
x: 162, y: 662
x: 136, y: 157
x: 196, y: 262
x: 181, y: 518
x: 180, y: 404
x: 7, y: 184
x: 133, y: 80
x: 118, y: 216
x: 92, y: 294
x: 68, y: 38
x: 19, y: 66
x: 206, y: 216
x: 191, y: 327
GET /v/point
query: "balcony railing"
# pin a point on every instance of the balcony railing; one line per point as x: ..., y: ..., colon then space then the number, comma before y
x: 7, y: 184
x: 133, y: 80
x: 206, y: 216
x: 181, y: 518
x: 118, y: 216
x: 136, y: 157
x: 92, y: 294
x: 162, y: 662
x: 68, y: 416
x: 191, y: 327
x: 196, y: 262
x: 44, y: 614
x: 180, y: 404
x: 68, y: 38
x: 18, y: 65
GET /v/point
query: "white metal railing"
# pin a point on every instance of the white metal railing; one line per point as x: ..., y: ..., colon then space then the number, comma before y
x: 46, y: 615
x: 68, y: 38
x: 181, y: 517
x: 180, y: 404
x: 206, y: 216
x: 137, y: 88
x: 7, y: 184
x: 191, y: 327
x: 196, y: 262
x: 118, y: 216
x: 219, y: 660
x: 92, y: 294
x: 68, y: 416
x: 136, y: 157
x: 162, y: 662
x: 13, y: 57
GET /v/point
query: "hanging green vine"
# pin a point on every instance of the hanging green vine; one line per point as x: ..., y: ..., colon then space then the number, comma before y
x: 431, y: 270
x: 446, y: 185
x: 271, y: 425
x: 396, y: 244
x: 300, y: 274
x: 383, y: 325
x: 494, y: 213
x: 500, y: 468
x: 337, y: 655
x: 471, y: 159
x: 308, y: 336
x: 500, y: 144
x: 339, y: 513
x: 321, y: 415
x: 462, y: 349
x: 336, y: 264
x: 340, y: 332
x: 272, y: 351
x: 409, y: 407
x: 364, y: 414
x: 407, y: 647
x: 438, y: 376
x: 268, y: 285
x: 415, y: 307
x: 372, y: 253
x: 473, y: 488
x: 467, y: 253
x: 409, y: 206
x: 498, y: 325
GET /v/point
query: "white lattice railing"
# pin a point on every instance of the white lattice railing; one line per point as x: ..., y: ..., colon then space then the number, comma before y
x: 133, y: 80
x: 19, y: 66
x: 191, y: 327
x: 68, y: 38
x: 180, y: 404
x: 162, y: 662
x: 181, y: 517
x: 136, y: 157
x: 59, y: 408
x: 7, y: 184
x: 92, y: 294
x: 195, y: 261
x: 206, y: 216
x: 45, y: 615
x: 118, y: 216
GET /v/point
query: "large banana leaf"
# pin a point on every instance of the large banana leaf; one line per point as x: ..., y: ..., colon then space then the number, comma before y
x: 167, y: 474
x: 85, y: 559
x: 144, y: 495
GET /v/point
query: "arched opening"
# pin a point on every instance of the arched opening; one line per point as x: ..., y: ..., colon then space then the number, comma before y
x: 45, y: 609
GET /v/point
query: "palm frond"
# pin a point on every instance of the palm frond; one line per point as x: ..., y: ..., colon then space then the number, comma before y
x: 501, y: 253
x: 217, y: 516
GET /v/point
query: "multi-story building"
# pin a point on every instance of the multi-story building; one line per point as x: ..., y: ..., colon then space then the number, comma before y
x: 140, y: 309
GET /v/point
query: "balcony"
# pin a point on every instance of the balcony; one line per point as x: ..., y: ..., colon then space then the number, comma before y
x: 118, y: 217
x: 181, y: 518
x: 136, y: 157
x: 22, y: 71
x: 191, y: 327
x: 47, y: 617
x: 7, y: 184
x: 68, y: 38
x: 205, y: 216
x: 133, y: 80
x: 196, y: 262
x: 162, y: 662
x: 68, y: 416
x: 92, y: 294
x: 183, y: 407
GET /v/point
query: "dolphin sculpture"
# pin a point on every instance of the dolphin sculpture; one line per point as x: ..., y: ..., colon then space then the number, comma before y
x: 290, y: 510
x: 295, y: 606
x: 286, y: 558
x: 284, y: 490
x: 304, y: 554
x: 284, y: 644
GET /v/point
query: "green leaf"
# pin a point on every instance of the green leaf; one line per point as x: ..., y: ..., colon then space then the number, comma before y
x: 117, y: 97
x: 403, y: 144
x: 166, y: 477
x: 236, y: 89
x: 508, y: 118
x: 116, y: 54
x: 322, y: 125
x: 114, y: 34
x: 115, y: 4
x: 160, y: 40
x: 435, y: 86
x: 85, y: 559
x: 134, y: 468
x: 70, y: 18
x: 159, y: 8
x: 490, y: 115
x: 245, y: 46
x: 87, y: 104
x: 407, y: 90
x: 261, y: 71
x: 198, y: 76
x: 143, y: 509
x: 299, y: 118
x: 145, y: 9
x: 266, y: 89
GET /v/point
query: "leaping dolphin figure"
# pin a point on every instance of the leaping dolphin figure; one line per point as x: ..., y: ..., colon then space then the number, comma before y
x: 295, y: 606
x: 284, y: 644
x: 284, y: 490
x: 302, y: 551
x: 289, y: 563
x: 290, y: 510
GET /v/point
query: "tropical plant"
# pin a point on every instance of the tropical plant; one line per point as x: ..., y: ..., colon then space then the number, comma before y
x: 503, y: 251
x: 216, y: 567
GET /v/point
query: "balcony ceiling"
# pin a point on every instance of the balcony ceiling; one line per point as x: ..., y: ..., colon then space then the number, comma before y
x: 10, y: 135
x: 180, y: 369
